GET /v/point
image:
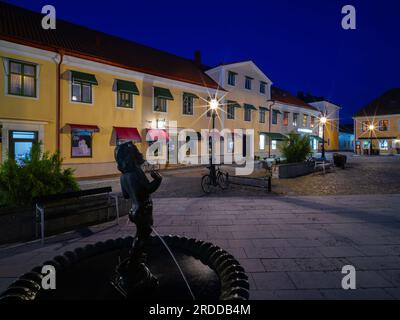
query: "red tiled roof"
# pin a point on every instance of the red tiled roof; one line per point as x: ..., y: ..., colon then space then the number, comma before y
x: 286, y: 97
x: 24, y: 27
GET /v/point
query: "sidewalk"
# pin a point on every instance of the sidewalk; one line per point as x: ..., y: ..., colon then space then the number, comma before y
x: 291, y: 247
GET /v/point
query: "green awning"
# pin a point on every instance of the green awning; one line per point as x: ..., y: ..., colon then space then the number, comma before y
x: 276, y: 111
x: 249, y: 106
x: 264, y: 109
x: 233, y: 103
x: 163, y: 93
x: 84, y: 77
x: 127, y: 86
x: 274, y: 135
x: 191, y: 95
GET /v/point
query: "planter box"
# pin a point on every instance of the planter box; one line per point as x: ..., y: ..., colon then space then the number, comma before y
x: 19, y: 224
x: 293, y: 170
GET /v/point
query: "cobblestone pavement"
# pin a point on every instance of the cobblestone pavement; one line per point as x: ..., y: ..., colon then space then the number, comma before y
x: 291, y: 247
x: 363, y: 175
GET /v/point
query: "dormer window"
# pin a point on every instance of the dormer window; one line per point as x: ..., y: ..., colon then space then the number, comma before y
x: 248, y: 83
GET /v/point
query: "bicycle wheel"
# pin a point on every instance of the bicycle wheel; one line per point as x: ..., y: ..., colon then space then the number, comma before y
x: 222, y: 181
x: 206, y: 184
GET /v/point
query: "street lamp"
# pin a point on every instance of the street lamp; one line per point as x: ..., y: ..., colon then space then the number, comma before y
x: 371, y: 129
x: 213, y: 104
x: 323, y: 120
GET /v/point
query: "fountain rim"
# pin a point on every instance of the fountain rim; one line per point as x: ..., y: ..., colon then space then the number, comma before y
x: 233, y: 279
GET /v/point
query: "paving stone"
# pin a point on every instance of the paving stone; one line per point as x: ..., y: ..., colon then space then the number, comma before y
x: 375, y: 263
x: 259, y: 253
x: 358, y: 294
x: 340, y: 252
x: 288, y: 252
x: 272, y: 281
x: 276, y: 265
x: 316, y: 279
x: 299, y: 295
x: 252, y: 265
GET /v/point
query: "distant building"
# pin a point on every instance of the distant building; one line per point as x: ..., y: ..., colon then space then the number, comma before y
x: 346, y: 137
x: 377, y: 125
x: 331, y: 111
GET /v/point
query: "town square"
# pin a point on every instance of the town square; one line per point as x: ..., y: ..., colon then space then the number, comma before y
x: 133, y: 167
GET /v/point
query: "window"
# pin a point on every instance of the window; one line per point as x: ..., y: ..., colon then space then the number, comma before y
x: 274, y: 117
x: 247, y: 114
x: 124, y: 99
x: 365, y: 126
x: 230, y: 111
x: 285, y: 120
x: 248, y: 83
x: 383, y: 125
x: 22, y: 79
x: 160, y: 104
x: 262, y: 115
x: 81, y: 144
x: 232, y: 78
x: 305, y: 119
x: 188, y: 102
x: 20, y: 144
x: 273, y: 144
x: 295, y: 119
x: 383, y: 145
x: 262, y: 87
x: 312, y: 122
x: 262, y: 141
x: 81, y: 92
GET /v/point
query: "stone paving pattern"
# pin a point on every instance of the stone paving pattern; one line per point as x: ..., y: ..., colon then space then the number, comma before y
x: 291, y: 247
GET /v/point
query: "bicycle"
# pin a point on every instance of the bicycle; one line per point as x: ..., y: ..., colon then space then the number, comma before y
x: 214, y: 179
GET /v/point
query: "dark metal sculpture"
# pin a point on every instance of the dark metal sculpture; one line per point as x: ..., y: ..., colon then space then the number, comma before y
x: 132, y: 275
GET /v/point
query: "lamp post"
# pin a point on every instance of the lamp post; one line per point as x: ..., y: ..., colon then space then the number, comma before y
x: 323, y: 120
x: 213, y: 104
x: 371, y: 129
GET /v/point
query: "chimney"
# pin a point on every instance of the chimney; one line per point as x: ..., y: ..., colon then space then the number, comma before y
x: 197, y: 58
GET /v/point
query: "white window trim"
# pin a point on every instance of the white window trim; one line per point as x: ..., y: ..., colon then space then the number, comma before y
x: 79, y: 102
x: 186, y: 114
x: 125, y: 108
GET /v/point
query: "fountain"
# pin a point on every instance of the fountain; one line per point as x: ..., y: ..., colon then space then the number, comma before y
x: 143, y: 267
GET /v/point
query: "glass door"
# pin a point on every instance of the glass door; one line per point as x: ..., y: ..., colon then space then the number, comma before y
x: 20, y: 144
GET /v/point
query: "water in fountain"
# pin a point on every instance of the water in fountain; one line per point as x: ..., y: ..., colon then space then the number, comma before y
x: 176, y: 262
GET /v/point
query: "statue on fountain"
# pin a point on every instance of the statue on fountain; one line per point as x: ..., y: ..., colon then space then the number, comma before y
x: 132, y: 275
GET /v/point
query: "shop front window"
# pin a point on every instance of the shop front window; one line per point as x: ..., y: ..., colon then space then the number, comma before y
x: 81, y: 144
x: 20, y: 144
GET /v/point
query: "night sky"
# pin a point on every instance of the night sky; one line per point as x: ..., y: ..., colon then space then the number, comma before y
x: 299, y: 44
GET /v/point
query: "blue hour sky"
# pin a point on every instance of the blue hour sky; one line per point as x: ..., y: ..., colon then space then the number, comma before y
x: 299, y: 44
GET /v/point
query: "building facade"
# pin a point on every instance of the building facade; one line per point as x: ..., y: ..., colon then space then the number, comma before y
x: 332, y: 112
x: 346, y: 138
x: 377, y: 125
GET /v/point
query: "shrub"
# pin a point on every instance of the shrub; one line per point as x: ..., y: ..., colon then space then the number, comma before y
x: 36, y: 175
x: 295, y: 148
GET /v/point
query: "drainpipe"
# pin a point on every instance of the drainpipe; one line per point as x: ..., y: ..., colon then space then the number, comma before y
x: 269, y: 126
x: 58, y: 109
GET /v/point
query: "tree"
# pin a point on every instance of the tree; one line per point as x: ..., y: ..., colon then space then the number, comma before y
x: 36, y: 175
x: 295, y: 148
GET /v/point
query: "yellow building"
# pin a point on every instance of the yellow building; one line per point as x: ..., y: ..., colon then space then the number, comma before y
x: 77, y: 91
x: 377, y: 125
x: 332, y: 113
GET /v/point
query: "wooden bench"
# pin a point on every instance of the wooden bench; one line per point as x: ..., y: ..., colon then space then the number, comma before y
x: 60, y: 206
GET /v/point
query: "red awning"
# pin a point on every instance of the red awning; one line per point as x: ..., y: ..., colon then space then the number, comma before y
x: 128, y: 134
x: 157, y: 134
x: 83, y: 127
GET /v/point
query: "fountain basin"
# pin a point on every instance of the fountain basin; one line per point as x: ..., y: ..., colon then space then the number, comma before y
x: 86, y: 273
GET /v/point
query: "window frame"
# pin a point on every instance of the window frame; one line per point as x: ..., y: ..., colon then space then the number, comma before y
x: 387, y: 125
x: 247, y: 111
x: 131, y: 100
x: 295, y: 122
x: 22, y: 75
x: 274, y: 118
x: 81, y: 84
x: 186, y: 98
x: 285, y: 118
x: 263, y: 86
x: 248, y: 80
x: 232, y: 76
x: 230, y: 112
x: 261, y: 116
x: 155, y: 105
x: 305, y: 120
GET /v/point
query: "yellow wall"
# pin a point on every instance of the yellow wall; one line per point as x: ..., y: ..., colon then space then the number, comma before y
x: 332, y: 133
x: 41, y: 108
